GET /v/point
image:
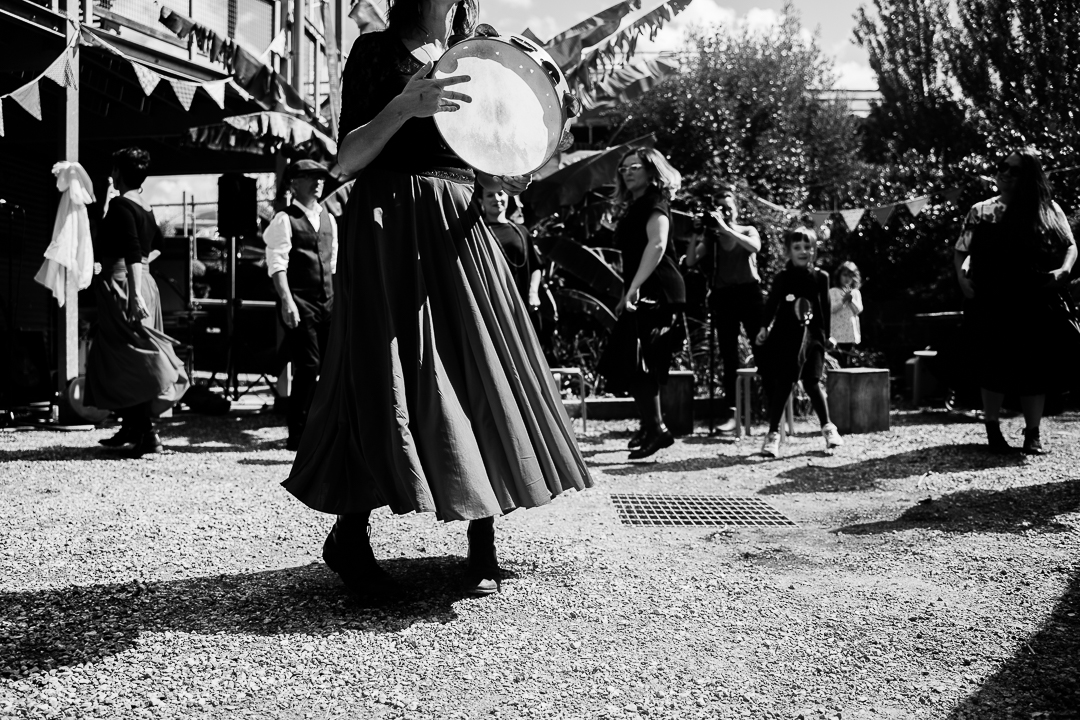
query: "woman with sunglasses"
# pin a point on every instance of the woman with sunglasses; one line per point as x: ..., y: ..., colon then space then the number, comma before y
x: 1013, y: 261
x: 648, y: 332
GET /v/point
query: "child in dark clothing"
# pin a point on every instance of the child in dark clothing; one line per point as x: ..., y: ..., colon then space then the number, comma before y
x: 779, y: 356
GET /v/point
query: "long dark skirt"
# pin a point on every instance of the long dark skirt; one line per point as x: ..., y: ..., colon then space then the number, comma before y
x: 130, y: 364
x: 434, y: 395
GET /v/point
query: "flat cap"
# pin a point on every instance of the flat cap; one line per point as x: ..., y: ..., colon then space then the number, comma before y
x: 300, y: 168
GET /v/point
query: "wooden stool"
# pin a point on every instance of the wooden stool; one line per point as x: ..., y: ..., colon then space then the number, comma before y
x: 859, y: 399
x: 743, y: 405
x: 581, y: 391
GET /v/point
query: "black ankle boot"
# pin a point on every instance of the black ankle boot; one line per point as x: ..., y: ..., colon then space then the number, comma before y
x: 347, y: 551
x: 636, y: 439
x: 482, y: 572
x: 995, y: 440
x: 656, y: 440
x: 1032, y: 443
x: 147, y: 444
x: 124, y: 436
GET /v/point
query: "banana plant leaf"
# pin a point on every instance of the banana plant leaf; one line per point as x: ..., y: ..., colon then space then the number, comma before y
x: 586, y: 264
x: 569, y: 185
x: 575, y: 301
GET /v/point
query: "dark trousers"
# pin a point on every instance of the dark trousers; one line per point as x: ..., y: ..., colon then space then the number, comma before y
x: 305, y: 345
x: 730, y: 307
x: 137, y: 418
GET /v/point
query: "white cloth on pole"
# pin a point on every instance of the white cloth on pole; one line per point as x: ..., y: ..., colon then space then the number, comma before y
x: 71, y: 249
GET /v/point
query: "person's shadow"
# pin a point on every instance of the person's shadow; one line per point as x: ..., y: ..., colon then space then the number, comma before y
x: 47, y: 629
x: 866, y: 475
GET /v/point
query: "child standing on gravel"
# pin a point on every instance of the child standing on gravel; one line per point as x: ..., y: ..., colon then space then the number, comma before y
x: 792, y: 347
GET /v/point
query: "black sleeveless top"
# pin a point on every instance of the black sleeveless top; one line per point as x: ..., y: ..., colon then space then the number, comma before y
x: 128, y: 232
x: 631, y: 238
x: 378, y: 69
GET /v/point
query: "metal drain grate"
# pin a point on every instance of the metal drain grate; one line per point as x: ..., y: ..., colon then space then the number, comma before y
x: 641, y: 509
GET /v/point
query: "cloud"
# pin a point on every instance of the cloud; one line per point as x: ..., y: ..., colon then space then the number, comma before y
x: 170, y: 188
x: 515, y: 3
x: 545, y: 26
x: 854, y: 75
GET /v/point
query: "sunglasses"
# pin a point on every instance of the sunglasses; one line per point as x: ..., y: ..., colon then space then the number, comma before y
x: 630, y: 168
x: 1004, y: 168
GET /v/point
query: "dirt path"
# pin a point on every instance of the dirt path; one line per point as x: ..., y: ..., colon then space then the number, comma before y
x: 924, y: 579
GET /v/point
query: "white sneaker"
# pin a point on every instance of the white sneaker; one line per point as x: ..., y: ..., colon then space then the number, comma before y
x: 832, y: 436
x: 771, y: 447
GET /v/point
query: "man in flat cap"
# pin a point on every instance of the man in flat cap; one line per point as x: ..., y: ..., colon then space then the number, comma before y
x: 301, y: 258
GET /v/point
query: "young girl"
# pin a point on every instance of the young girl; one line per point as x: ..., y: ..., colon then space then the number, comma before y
x: 779, y: 356
x: 846, y: 301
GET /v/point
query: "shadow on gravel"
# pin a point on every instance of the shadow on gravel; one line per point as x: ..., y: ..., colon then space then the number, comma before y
x: 866, y: 474
x: 654, y: 464
x: 1015, y: 510
x: 1042, y: 681
x: 42, y: 630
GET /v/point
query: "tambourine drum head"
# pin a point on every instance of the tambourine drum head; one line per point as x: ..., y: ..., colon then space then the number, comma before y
x: 515, y: 120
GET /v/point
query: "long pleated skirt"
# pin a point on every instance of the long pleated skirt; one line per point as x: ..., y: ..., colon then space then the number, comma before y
x: 434, y: 395
x: 131, y: 363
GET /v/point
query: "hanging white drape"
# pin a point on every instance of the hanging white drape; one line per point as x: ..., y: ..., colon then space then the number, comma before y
x: 71, y: 249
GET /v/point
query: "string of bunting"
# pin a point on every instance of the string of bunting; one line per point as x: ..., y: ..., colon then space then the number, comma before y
x: 28, y: 97
x: 853, y: 216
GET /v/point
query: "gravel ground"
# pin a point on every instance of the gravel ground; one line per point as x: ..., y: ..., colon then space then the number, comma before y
x: 924, y: 579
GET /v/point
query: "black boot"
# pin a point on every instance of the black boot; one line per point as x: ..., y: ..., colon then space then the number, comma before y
x: 147, y: 444
x: 995, y: 440
x: 126, y: 435
x: 636, y: 439
x: 1032, y: 443
x: 347, y: 551
x: 656, y: 440
x: 482, y: 572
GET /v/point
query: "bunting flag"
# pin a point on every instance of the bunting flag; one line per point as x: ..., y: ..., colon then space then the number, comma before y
x: 882, y: 214
x: 216, y: 91
x: 916, y: 206
x: 72, y: 81
x: 852, y: 218
x: 184, y: 91
x: 148, y: 79
x: 58, y: 71
x: 29, y: 97
x: 820, y: 218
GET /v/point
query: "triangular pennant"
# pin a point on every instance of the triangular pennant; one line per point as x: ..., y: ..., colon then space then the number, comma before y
x: 916, y: 206
x: 216, y: 91
x: 819, y: 218
x: 57, y: 72
x: 185, y: 92
x: 883, y: 213
x: 70, y: 74
x: 852, y: 218
x: 148, y: 79
x: 953, y: 194
x: 29, y: 98
x: 1, y: 118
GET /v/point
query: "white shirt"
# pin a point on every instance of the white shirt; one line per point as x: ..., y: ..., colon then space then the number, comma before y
x: 278, y: 239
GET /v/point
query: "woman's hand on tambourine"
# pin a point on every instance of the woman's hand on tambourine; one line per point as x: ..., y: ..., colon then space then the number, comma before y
x: 424, y: 96
x: 509, y: 184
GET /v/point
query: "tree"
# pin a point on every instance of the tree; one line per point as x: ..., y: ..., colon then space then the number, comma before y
x: 920, y: 109
x: 746, y: 107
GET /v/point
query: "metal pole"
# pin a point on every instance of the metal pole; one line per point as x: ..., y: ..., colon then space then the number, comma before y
x: 67, y: 330
x: 298, y: 66
x: 230, y: 320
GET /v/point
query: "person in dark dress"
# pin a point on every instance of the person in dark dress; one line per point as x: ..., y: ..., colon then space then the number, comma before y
x: 131, y: 366
x: 301, y: 258
x: 783, y: 360
x: 434, y: 395
x: 649, y: 328
x: 1013, y: 261
x: 734, y: 288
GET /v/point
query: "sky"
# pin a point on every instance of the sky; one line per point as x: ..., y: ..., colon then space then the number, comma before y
x: 831, y: 19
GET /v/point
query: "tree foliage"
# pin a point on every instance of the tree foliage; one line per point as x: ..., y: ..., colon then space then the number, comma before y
x: 746, y: 108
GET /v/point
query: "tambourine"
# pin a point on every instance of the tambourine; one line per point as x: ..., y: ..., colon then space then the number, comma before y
x: 521, y: 104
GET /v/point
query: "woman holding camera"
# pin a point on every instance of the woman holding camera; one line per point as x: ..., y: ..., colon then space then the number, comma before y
x: 1013, y: 261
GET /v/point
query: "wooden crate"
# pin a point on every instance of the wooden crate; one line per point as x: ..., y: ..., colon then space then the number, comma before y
x: 859, y: 399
